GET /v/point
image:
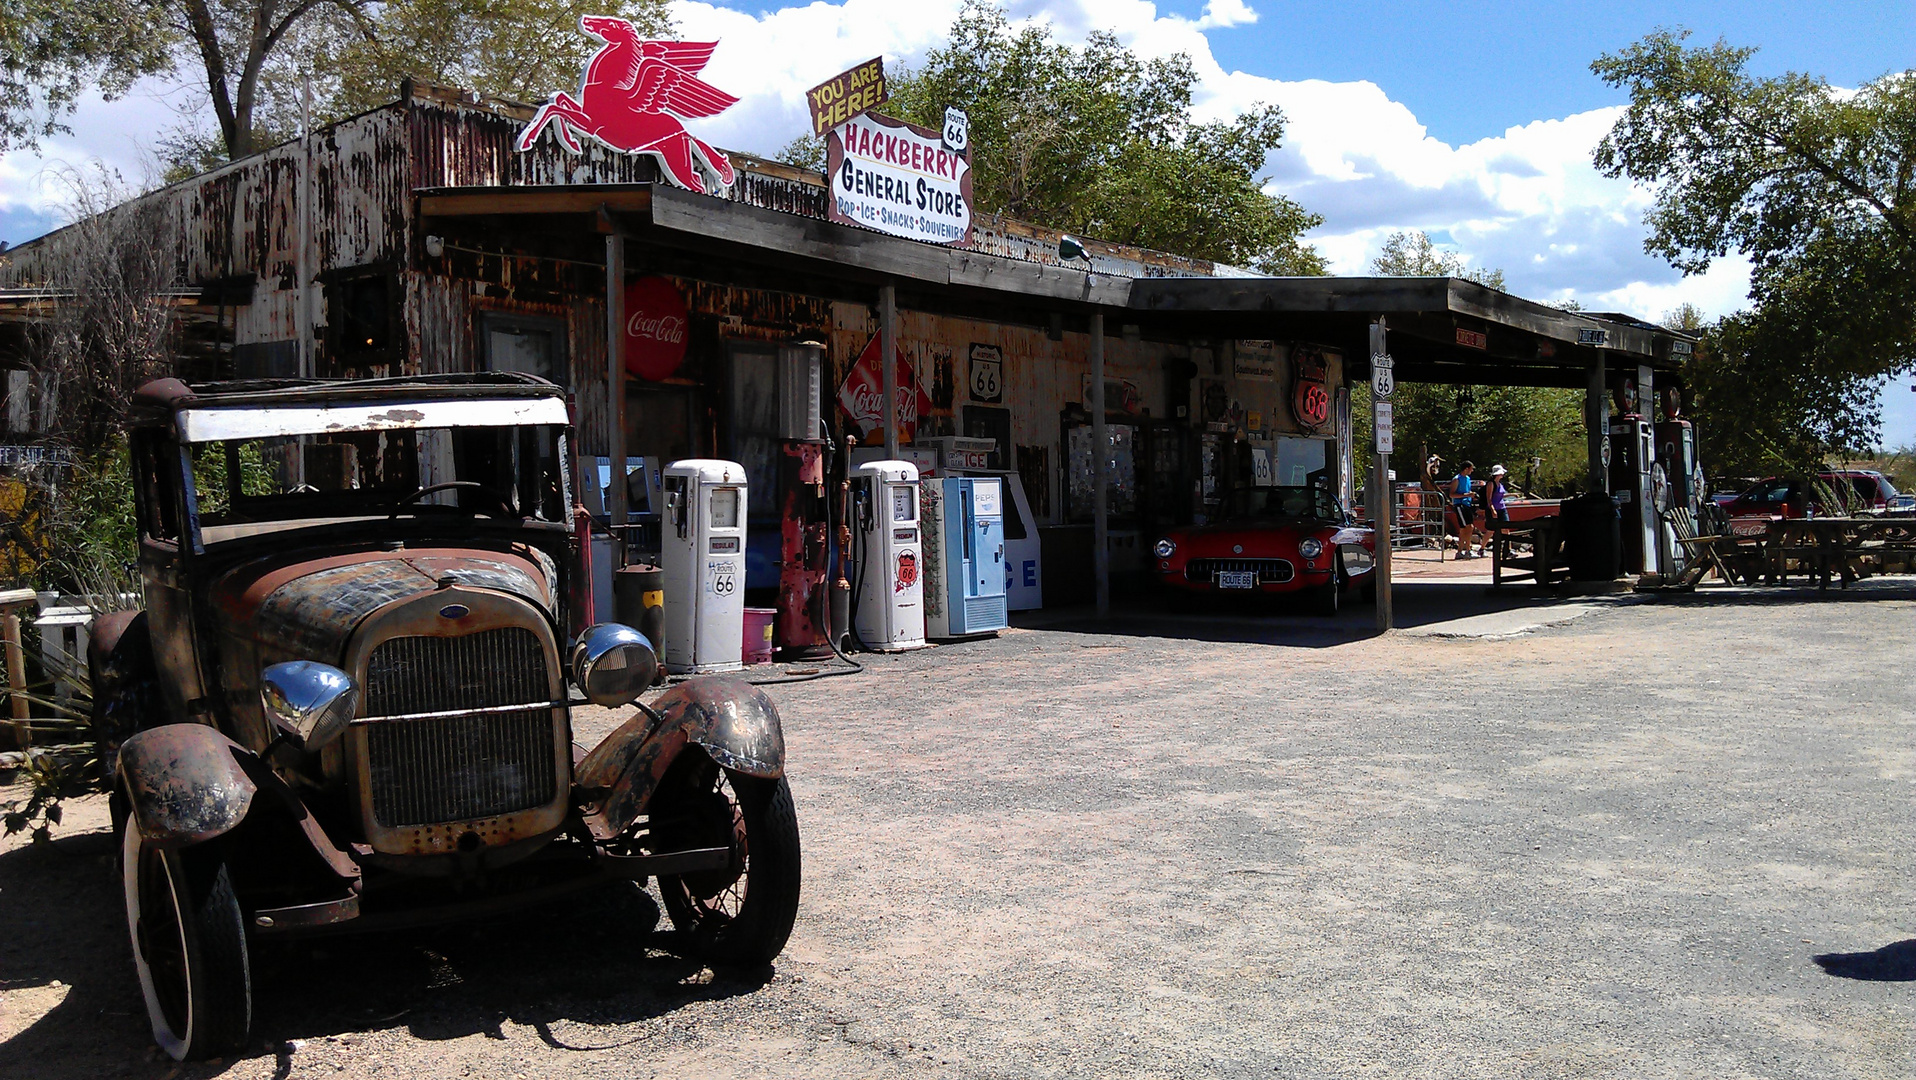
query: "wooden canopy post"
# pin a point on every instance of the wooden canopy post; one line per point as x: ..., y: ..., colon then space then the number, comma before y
x: 11, y: 601
x: 615, y: 377
x: 1596, y: 418
x: 888, y: 363
x: 1100, y: 455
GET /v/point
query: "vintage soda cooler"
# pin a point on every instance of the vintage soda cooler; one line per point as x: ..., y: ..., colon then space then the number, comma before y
x: 702, y: 550
x: 964, y: 537
x: 890, y: 615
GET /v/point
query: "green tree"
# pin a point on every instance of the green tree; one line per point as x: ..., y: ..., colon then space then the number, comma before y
x: 52, y: 51
x: 1095, y: 140
x: 1487, y: 425
x: 256, y: 59
x: 1814, y: 186
x: 523, y: 50
x: 1412, y: 253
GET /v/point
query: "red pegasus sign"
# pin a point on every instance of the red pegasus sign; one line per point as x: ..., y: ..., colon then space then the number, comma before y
x: 636, y: 97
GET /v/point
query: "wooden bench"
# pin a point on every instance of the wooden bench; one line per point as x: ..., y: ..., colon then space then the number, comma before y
x: 1546, y: 562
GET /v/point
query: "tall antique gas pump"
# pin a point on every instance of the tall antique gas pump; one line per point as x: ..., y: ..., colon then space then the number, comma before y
x: 804, y: 548
x: 1676, y: 458
x: 702, y: 542
x: 1633, y: 483
x: 889, y: 592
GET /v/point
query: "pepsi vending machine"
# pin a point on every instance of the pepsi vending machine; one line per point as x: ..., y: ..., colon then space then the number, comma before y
x: 964, y: 529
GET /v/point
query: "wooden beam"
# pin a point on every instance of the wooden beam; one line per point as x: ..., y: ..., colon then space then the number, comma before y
x: 579, y: 199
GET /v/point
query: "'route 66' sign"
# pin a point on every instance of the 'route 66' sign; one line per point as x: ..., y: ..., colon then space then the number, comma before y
x: 957, y: 134
x: 987, y: 373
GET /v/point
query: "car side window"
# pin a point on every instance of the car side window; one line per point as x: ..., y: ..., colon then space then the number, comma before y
x: 156, y: 489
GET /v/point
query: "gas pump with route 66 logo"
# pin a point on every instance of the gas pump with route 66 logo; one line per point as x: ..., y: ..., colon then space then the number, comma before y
x: 702, y: 541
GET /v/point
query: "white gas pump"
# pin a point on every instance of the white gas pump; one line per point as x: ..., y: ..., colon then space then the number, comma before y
x: 890, y: 587
x: 702, y: 551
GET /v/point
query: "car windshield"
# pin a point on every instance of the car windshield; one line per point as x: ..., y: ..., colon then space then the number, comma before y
x: 1308, y: 503
x: 245, y: 487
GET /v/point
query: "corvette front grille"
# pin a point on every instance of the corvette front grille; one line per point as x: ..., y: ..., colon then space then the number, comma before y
x: 1268, y: 571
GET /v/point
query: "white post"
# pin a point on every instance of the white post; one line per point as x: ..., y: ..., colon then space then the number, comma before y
x: 888, y: 363
x: 615, y: 374
x: 1100, y: 463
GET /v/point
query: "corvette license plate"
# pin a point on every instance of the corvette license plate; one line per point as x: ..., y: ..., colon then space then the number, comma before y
x: 1237, y: 579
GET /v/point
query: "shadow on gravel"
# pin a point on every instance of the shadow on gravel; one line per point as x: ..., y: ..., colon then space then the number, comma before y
x: 597, y: 958
x: 1891, y: 963
x: 1283, y: 620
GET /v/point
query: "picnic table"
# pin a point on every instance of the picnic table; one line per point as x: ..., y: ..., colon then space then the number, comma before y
x: 1824, y: 546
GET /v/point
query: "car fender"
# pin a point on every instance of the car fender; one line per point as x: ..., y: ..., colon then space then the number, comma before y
x: 185, y: 783
x: 729, y: 719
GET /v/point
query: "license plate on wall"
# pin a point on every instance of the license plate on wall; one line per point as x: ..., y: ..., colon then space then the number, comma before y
x: 1237, y: 579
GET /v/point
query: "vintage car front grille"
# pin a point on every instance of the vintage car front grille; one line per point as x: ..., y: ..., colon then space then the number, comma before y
x: 466, y: 767
x: 1269, y: 571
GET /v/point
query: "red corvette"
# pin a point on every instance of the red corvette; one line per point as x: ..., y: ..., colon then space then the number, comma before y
x: 1274, y: 540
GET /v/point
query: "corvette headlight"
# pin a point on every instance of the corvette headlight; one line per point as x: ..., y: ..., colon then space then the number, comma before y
x: 1310, y: 547
x: 1165, y: 548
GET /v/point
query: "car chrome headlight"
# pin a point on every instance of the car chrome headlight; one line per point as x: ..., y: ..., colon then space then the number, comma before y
x: 1310, y: 547
x: 613, y: 664
x: 1165, y: 548
x: 310, y: 701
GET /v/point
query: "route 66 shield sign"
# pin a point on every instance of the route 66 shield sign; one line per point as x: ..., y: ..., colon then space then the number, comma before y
x: 957, y: 133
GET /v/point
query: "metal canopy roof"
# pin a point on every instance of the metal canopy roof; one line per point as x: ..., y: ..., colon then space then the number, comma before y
x: 1441, y: 329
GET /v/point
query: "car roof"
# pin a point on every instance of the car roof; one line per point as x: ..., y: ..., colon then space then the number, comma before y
x: 160, y: 403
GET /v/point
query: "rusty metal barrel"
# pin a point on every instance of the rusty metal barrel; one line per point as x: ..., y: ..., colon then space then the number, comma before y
x: 638, y: 599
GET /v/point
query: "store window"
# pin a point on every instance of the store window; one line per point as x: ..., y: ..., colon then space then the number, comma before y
x: 533, y: 344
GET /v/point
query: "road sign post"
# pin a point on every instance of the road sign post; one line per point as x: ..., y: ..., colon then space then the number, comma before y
x: 1383, y: 383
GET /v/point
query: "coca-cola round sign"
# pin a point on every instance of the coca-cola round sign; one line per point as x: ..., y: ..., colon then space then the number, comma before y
x: 655, y: 328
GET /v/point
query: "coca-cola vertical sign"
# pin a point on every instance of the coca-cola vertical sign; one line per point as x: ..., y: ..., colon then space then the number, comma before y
x: 862, y: 394
x: 656, y: 323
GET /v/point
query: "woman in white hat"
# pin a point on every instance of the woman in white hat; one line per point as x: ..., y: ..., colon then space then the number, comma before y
x: 1495, y: 512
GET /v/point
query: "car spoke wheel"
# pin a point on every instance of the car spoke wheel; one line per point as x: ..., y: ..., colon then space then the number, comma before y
x: 189, y: 947
x: 741, y: 914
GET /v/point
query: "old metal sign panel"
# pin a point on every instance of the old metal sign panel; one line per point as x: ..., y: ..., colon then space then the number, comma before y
x: 635, y: 98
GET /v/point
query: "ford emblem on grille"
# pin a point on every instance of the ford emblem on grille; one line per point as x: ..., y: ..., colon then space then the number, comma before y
x: 454, y: 611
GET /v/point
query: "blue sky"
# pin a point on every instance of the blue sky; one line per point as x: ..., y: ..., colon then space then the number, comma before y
x: 1471, y: 120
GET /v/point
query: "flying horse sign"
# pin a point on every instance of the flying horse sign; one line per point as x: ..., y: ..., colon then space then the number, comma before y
x: 636, y: 97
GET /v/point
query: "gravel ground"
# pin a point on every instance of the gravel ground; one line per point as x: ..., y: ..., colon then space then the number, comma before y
x: 1660, y: 840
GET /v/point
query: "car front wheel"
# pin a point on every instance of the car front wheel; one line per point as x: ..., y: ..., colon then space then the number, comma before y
x: 1326, y: 597
x: 189, y: 947
x: 740, y: 915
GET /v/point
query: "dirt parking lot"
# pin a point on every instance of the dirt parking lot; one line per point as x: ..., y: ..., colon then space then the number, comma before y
x: 1666, y: 839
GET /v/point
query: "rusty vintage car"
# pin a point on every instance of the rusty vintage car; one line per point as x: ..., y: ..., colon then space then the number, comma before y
x: 348, y: 699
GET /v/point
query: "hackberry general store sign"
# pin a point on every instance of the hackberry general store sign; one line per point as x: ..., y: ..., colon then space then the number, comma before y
x: 899, y: 178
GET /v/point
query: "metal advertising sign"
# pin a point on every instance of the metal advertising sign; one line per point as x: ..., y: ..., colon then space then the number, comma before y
x: 898, y: 178
x: 1255, y: 360
x: 635, y: 98
x: 1310, y: 389
x: 987, y: 373
x: 847, y: 94
x: 862, y: 394
x: 655, y: 325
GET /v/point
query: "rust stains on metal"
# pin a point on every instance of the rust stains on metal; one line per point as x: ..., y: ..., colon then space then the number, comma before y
x: 185, y: 784
x: 727, y: 718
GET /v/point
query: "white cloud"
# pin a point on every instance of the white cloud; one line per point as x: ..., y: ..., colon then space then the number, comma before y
x: 1219, y: 14
x: 1527, y: 201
